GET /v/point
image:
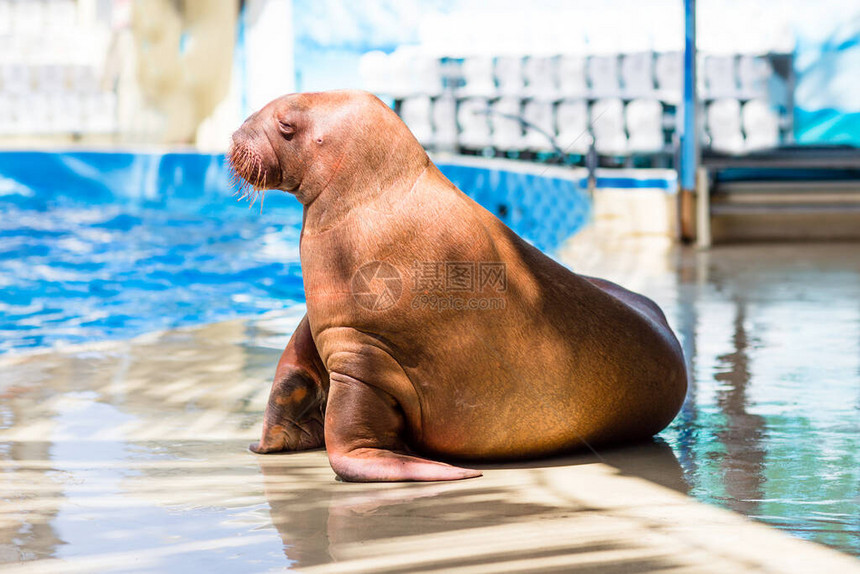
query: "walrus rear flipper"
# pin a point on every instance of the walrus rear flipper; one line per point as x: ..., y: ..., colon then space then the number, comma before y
x: 363, y: 429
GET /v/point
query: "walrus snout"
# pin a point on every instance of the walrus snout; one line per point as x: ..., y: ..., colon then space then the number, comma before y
x: 250, y: 160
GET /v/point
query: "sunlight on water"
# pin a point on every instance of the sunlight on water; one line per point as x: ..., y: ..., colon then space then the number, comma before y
x: 122, y: 244
x: 75, y: 273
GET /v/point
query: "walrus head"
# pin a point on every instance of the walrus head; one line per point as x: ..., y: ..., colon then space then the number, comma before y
x: 340, y: 144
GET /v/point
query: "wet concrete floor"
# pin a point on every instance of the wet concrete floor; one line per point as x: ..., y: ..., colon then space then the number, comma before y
x: 131, y: 456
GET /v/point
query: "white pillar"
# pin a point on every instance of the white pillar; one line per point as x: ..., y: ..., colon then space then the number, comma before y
x: 269, y: 61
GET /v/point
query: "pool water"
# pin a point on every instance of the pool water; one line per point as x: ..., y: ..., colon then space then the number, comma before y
x: 97, y: 246
x: 78, y: 272
x: 92, y: 254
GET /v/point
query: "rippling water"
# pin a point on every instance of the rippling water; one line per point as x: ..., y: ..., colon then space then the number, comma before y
x: 72, y: 270
x: 98, y: 246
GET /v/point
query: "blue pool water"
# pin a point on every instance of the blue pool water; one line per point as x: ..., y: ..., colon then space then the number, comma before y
x: 98, y: 246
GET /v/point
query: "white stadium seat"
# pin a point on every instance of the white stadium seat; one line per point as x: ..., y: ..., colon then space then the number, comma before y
x: 571, y: 120
x: 474, y: 123
x: 539, y: 129
x: 401, y: 65
x: 507, y: 127
x: 645, y: 126
x: 603, y: 76
x: 669, y: 73
x: 761, y: 125
x: 540, y: 76
x: 720, y: 77
x: 478, y: 77
x: 753, y: 75
x: 427, y: 75
x: 571, y: 76
x: 445, y: 123
x: 417, y: 114
x: 509, y: 75
x: 724, y: 126
x: 607, y: 125
x: 637, y: 73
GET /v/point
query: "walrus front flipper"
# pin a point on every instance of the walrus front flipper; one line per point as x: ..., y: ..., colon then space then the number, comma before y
x: 295, y: 411
x: 363, y: 427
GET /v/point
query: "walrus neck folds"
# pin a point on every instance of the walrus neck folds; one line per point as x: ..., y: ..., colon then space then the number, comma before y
x: 352, y: 188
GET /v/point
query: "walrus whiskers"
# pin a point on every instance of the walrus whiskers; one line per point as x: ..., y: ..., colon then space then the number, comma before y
x: 247, y: 177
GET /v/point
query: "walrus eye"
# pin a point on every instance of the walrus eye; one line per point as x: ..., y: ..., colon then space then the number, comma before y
x: 287, y: 129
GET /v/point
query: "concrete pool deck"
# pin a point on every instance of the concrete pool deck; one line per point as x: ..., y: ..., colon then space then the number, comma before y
x: 131, y: 456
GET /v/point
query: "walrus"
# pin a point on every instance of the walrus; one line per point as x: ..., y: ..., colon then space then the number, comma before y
x: 435, y: 335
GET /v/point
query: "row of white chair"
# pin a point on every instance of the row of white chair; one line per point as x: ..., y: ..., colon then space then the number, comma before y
x: 734, y: 128
x: 644, y: 74
x: 20, y: 79
x: 614, y: 128
x: 729, y: 76
x: 58, y: 114
x: 511, y: 124
x: 636, y: 75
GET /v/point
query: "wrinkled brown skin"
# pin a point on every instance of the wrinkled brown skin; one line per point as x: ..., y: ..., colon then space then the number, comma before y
x: 570, y: 362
